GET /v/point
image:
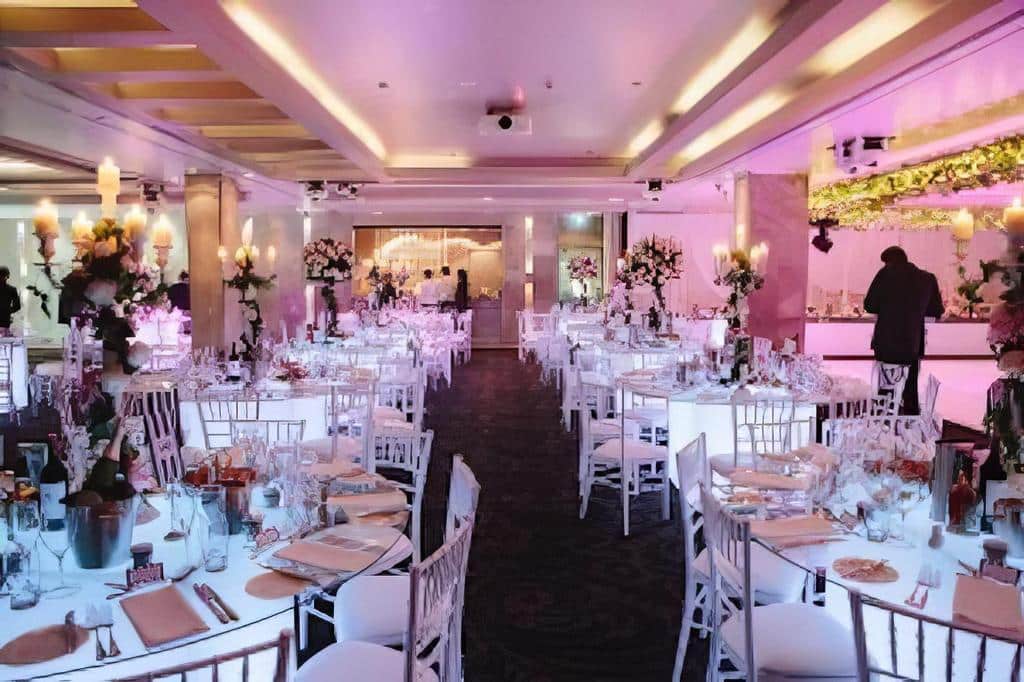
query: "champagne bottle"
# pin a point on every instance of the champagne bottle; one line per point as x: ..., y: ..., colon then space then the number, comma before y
x: 53, y: 488
x: 234, y: 365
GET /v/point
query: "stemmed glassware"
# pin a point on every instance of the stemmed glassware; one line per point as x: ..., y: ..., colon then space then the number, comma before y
x: 57, y: 543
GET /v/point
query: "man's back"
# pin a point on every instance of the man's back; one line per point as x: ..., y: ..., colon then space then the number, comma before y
x: 902, y: 296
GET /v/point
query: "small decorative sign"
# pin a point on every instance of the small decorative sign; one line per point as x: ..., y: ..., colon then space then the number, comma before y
x: 267, y: 537
x: 137, y: 577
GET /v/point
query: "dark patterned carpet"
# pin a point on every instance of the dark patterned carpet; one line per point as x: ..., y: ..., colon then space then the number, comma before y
x: 550, y: 598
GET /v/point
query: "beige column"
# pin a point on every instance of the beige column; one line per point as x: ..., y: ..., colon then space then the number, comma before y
x: 211, y: 217
x: 773, y: 209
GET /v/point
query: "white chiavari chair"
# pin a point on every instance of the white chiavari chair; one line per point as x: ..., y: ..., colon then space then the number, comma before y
x: 752, y: 415
x: 594, y: 432
x: 216, y: 412
x: 631, y: 466
x: 7, y: 405
x: 887, y: 383
x: 400, y: 389
x: 464, y: 336
x: 531, y: 326
x: 761, y: 640
x: 235, y: 665
x: 375, y: 608
x: 408, y: 451
x: 432, y: 604
x: 919, y: 647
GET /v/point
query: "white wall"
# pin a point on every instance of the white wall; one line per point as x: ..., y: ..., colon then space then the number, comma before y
x: 854, y: 258
x: 697, y: 233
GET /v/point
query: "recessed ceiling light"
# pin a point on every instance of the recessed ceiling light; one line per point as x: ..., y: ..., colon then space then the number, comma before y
x: 248, y: 174
x: 467, y: 84
x: 4, y: 189
x: 637, y: 83
x: 383, y: 85
x: 378, y: 213
x: 615, y: 199
x: 488, y: 198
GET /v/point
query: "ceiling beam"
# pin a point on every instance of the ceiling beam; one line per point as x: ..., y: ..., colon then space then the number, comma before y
x: 216, y: 34
x: 800, y: 16
x: 120, y: 59
x: 224, y: 113
x: 51, y: 39
x: 89, y: 19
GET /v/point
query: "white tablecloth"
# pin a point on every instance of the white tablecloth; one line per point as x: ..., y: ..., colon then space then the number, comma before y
x: 19, y: 372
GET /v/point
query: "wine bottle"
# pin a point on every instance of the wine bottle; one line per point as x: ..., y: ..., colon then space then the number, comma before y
x: 53, y: 488
x: 234, y: 365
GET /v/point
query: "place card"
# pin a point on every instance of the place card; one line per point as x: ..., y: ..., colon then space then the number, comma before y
x: 137, y: 577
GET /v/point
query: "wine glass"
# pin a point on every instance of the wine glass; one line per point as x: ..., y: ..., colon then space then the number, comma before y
x: 57, y: 543
x: 25, y: 514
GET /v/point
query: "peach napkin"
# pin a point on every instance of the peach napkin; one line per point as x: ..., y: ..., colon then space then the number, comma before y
x: 327, y: 556
x: 162, y: 616
x: 987, y: 605
x: 788, y: 527
x: 43, y: 644
x: 369, y: 503
x: 766, y: 480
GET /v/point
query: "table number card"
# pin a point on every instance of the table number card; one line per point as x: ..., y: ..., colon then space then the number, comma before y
x: 136, y: 577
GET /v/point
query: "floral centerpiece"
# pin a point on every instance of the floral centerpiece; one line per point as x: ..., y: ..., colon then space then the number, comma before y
x: 110, y: 284
x: 655, y: 261
x: 738, y: 271
x: 328, y: 261
x: 248, y: 283
x: 969, y: 289
x: 582, y: 268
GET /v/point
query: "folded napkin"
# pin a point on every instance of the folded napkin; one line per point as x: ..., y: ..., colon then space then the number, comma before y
x: 988, y: 605
x: 340, y: 467
x: 162, y: 616
x: 765, y: 480
x: 788, y: 527
x: 369, y: 503
x: 328, y: 556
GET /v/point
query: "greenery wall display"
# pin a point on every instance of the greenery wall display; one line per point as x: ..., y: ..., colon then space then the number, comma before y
x: 859, y: 202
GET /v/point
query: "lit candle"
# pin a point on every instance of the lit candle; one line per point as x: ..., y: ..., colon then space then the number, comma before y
x: 247, y: 232
x: 45, y: 220
x: 163, y: 236
x: 720, y: 252
x: 271, y: 255
x: 963, y: 226
x: 108, y: 186
x: 1013, y: 218
x: 741, y: 236
x: 81, y: 227
x: 222, y: 253
x: 135, y: 224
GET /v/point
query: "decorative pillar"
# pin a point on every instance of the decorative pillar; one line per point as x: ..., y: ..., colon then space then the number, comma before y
x: 773, y: 209
x: 211, y: 216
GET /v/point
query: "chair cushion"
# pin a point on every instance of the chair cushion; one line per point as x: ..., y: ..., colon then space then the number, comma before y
x: 348, y: 447
x: 722, y: 463
x: 373, y: 608
x: 383, y: 413
x: 635, y: 450
x: 796, y: 640
x: 775, y: 579
x: 649, y: 416
x: 359, y: 662
x: 604, y: 428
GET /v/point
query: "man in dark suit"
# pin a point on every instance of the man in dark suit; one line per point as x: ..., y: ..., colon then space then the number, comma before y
x: 902, y: 296
x: 10, y: 301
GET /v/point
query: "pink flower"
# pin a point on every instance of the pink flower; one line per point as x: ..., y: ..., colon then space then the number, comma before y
x: 1006, y: 325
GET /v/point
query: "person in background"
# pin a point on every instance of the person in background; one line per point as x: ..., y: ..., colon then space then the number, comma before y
x: 902, y: 296
x: 387, y: 290
x: 462, y: 291
x: 446, y: 287
x: 178, y: 293
x: 428, y: 289
x: 10, y: 301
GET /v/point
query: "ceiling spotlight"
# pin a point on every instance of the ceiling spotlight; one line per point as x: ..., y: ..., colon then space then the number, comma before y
x: 248, y: 174
x: 316, y: 190
x: 616, y: 199
x: 383, y: 85
x: 378, y: 213
x: 4, y: 189
x: 821, y: 241
x: 488, y: 198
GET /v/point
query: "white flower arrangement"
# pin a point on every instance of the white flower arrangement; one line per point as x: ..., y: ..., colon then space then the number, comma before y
x: 327, y: 259
x: 582, y: 268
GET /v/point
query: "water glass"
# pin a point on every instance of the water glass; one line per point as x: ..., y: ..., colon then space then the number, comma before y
x: 22, y: 580
x: 215, y: 547
x: 877, y: 521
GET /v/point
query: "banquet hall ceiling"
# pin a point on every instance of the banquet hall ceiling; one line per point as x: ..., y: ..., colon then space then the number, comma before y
x: 392, y: 93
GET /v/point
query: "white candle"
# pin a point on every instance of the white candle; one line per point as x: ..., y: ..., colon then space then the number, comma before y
x: 247, y: 232
x: 720, y: 252
x: 163, y: 236
x: 222, y: 253
x: 80, y: 227
x: 271, y: 255
x: 963, y: 226
x: 45, y: 220
x: 108, y: 186
x: 135, y: 224
x: 1013, y: 218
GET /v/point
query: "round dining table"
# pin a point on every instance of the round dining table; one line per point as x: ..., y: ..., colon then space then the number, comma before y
x: 259, y: 619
